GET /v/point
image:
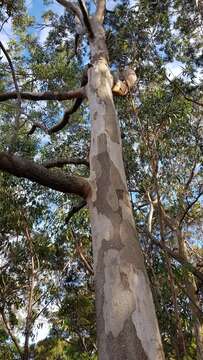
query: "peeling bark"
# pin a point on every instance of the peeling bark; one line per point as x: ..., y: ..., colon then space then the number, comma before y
x: 126, y: 321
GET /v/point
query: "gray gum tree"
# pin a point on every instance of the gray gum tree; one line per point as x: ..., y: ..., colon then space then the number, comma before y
x: 127, y: 326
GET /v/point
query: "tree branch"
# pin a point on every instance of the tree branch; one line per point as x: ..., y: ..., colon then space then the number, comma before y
x: 30, y: 170
x: 74, y: 210
x: 183, y: 93
x: 199, y: 311
x: 84, y: 260
x: 73, y: 8
x: 86, y: 19
x: 61, y: 124
x: 47, y: 95
x: 190, y: 205
x: 175, y: 256
x: 101, y: 6
x: 18, y: 96
x: 87, y: 265
x: 192, y: 173
x: 9, y: 331
x: 61, y: 162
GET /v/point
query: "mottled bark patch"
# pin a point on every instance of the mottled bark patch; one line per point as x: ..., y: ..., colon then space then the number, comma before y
x: 131, y: 252
x: 98, y: 44
x: 120, y: 299
x: 111, y: 121
x: 122, y: 290
x: 126, y: 346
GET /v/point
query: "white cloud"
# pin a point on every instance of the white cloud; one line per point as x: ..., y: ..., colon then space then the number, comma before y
x: 174, y: 69
x: 43, y: 34
x: 41, y: 332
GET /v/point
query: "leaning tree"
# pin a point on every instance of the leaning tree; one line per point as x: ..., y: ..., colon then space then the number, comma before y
x: 126, y: 321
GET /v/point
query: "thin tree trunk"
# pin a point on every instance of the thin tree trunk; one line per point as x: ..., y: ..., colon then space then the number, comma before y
x: 29, y: 322
x: 127, y: 327
x: 191, y: 289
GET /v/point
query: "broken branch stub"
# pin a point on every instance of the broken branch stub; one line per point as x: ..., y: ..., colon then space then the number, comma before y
x: 124, y: 82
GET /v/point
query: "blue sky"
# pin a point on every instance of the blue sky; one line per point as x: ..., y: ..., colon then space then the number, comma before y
x: 36, y: 8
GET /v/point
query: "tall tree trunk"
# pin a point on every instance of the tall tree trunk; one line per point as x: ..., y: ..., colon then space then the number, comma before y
x: 127, y: 327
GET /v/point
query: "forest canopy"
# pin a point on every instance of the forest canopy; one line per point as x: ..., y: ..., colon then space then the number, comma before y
x: 53, y: 55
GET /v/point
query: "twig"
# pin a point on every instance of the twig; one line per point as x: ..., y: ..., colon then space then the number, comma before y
x: 43, y: 295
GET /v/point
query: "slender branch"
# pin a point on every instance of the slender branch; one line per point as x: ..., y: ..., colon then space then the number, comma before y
x: 74, y: 210
x: 58, y: 181
x: 61, y: 124
x: 82, y: 256
x: 192, y: 173
x: 175, y: 256
x: 151, y: 212
x: 47, y: 95
x: 45, y: 294
x: 42, y: 310
x: 101, y: 5
x: 84, y: 260
x: 61, y: 162
x: 38, y: 125
x: 9, y: 331
x: 180, y: 348
x: 3, y: 23
x: 183, y: 93
x: 86, y: 18
x: 18, y: 96
x: 190, y: 206
x: 199, y: 311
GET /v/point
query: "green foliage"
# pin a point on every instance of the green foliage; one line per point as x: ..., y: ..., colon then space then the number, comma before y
x: 159, y: 122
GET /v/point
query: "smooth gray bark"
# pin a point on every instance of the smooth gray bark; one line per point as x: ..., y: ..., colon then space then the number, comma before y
x: 127, y: 327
